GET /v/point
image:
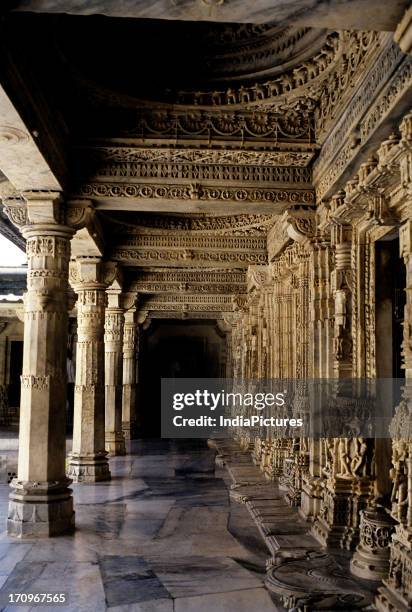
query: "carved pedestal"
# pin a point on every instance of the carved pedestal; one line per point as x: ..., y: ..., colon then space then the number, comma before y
x: 371, y: 558
x: 257, y: 451
x: 39, y: 509
x: 311, y: 497
x: 263, y: 461
x: 294, y: 489
x: 41, y: 502
x: 286, y: 478
x: 280, y: 449
x: 338, y: 522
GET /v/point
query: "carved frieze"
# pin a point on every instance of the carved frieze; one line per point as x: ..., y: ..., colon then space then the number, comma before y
x: 210, y: 172
x: 291, y: 122
x: 385, y: 85
x: 201, y: 288
x: 184, y: 240
x: 140, y: 257
x: 191, y: 276
x: 114, y: 155
x: 239, y: 225
x: 195, y: 191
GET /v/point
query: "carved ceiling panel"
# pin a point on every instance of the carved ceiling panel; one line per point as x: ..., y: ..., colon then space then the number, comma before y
x: 131, y: 224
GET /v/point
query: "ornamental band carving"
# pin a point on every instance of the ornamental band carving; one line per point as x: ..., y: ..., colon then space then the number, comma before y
x: 195, y: 192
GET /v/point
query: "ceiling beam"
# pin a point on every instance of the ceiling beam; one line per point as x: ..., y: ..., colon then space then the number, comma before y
x: 20, y: 158
x: 332, y: 14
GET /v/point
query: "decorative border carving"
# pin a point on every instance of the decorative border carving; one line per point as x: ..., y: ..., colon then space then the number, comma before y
x: 292, y: 122
x: 192, y: 276
x: 195, y: 172
x: 196, y: 192
x: 199, y: 157
x: 140, y: 257
x: 220, y: 225
x: 333, y: 162
x: 183, y: 240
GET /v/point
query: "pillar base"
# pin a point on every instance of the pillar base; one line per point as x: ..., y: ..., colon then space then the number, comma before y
x: 371, y: 558
x: 129, y: 429
x: 89, y: 468
x: 338, y: 522
x: 115, y: 443
x: 40, y: 509
x: 311, y: 498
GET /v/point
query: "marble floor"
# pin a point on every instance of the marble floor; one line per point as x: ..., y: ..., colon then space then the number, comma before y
x: 162, y: 536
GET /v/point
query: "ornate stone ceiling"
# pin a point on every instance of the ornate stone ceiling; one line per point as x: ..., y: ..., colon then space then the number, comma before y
x: 189, y: 139
x: 184, y: 60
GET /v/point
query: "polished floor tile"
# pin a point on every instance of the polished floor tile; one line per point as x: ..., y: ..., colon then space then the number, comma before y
x: 161, y: 536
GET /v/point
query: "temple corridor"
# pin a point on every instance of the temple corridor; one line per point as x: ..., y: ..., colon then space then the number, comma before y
x: 217, y: 190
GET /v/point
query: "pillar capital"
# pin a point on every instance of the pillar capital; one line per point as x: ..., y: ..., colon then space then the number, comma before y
x: 87, y: 273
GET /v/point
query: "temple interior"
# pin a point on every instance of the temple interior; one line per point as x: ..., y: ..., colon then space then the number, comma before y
x: 204, y: 189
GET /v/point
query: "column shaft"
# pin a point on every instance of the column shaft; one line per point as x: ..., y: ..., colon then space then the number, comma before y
x: 88, y: 460
x: 129, y: 376
x: 40, y: 501
x: 113, y: 339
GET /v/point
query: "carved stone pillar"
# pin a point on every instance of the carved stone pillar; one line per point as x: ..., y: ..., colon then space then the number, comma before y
x: 348, y: 485
x: 320, y: 360
x: 88, y: 459
x: 113, y: 343
x: 279, y: 447
x: 41, y: 502
x: 129, y: 374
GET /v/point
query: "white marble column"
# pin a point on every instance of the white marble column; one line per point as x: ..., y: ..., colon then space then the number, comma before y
x: 113, y: 342
x: 129, y: 374
x: 88, y: 460
x: 41, y: 501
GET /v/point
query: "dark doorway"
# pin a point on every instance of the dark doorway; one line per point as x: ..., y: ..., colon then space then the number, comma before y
x: 175, y: 349
x: 390, y: 305
x: 16, y: 365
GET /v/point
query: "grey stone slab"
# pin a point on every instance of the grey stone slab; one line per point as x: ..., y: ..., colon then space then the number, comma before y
x: 103, y: 493
x: 80, y: 582
x: 260, y: 504
x: 130, y: 580
x: 188, y: 576
x: 137, y: 527
x: 23, y: 576
x: 106, y: 520
x: 149, y: 508
x: 190, y: 491
x: 70, y: 549
x: 247, y: 600
x: 155, y: 605
x: 303, y: 541
x: 11, y: 553
x: 204, y: 463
